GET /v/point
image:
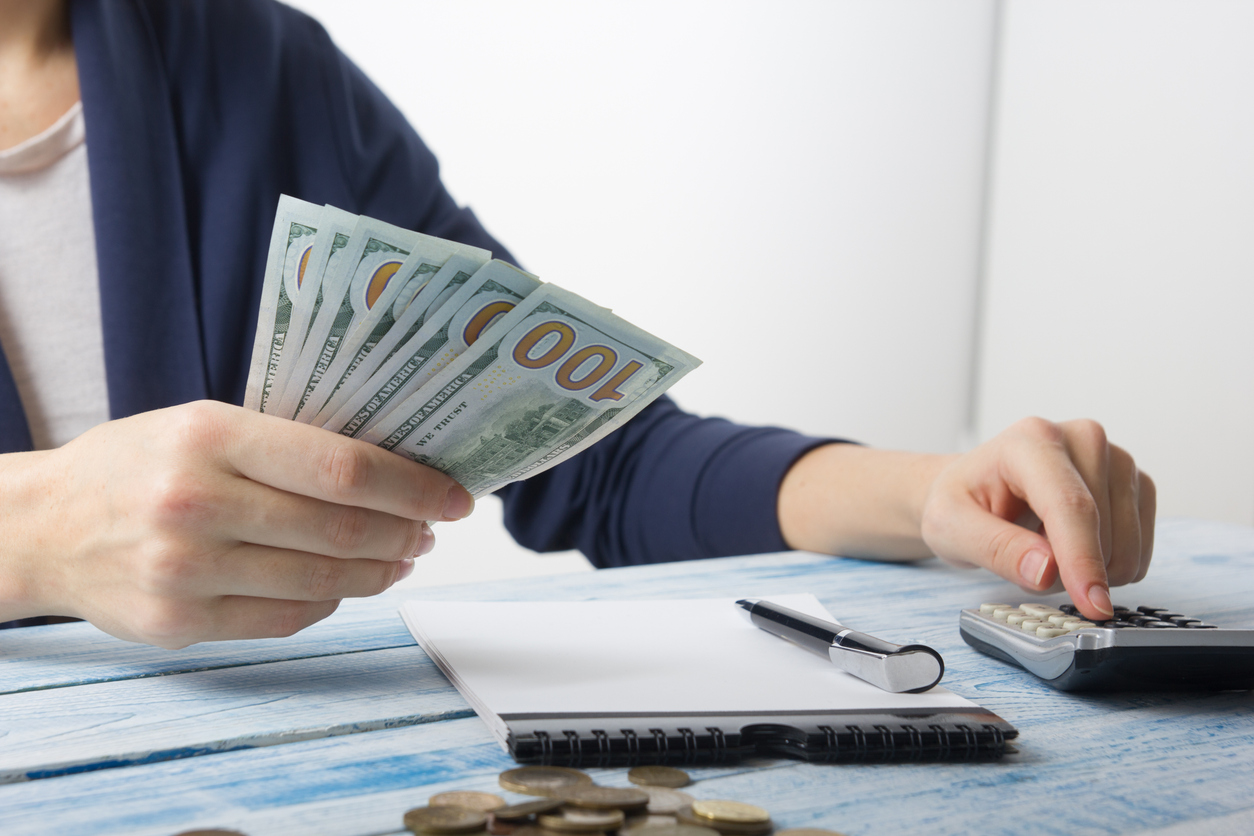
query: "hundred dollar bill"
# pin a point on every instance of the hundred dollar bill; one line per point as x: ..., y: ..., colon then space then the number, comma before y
x: 492, y: 292
x: 420, y: 299
x: 291, y: 245
x: 549, y: 379
x: 374, y: 305
x: 334, y: 228
x: 375, y: 252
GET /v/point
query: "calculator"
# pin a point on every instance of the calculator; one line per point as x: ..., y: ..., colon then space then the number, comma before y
x: 1143, y: 648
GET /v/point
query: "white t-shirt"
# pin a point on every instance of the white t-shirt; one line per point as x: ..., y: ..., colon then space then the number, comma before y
x: 49, y: 286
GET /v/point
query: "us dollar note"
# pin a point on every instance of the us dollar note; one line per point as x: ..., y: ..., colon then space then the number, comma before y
x: 374, y: 305
x: 492, y: 292
x: 292, y: 242
x: 335, y: 226
x: 549, y: 379
x: 419, y: 300
x: 375, y: 252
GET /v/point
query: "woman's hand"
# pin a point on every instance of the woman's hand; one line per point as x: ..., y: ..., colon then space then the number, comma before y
x: 207, y: 521
x: 1041, y: 502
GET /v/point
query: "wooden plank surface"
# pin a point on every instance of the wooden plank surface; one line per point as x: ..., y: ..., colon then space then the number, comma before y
x: 1122, y: 763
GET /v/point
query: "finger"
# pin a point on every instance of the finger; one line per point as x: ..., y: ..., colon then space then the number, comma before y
x: 1125, y: 519
x: 971, y: 532
x: 1043, y: 474
x: 314, y: 462
x: 1089, y: 450
x: 283, y: 574
x: 269, y: 517
x: 1148, y: 508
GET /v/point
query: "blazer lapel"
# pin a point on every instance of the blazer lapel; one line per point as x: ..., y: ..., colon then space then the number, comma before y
x: 153, y: 346
x: 14, y: 431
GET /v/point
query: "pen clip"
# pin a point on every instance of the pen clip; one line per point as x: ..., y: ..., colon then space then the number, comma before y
x: 911, y: 669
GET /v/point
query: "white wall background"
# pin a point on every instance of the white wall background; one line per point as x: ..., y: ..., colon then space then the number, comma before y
x: 795, y: 192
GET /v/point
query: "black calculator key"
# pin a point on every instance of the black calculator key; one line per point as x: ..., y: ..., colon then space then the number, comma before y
x: 1142, y: 620
x: 1121, y: 610
x: 1118, y: 624
x: 1185, y: 621
x: 1151, y: 610
x: 1157, y: 624
x: 1199, y: 625
x: 1069, y: 609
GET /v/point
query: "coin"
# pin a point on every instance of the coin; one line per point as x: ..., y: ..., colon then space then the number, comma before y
x: 730, y: 811
x: 583, y: 821
x: 485, y: 802
x: 664, y: 801
x: 443, y: 820
x: 659, y: 776
x: 588, y: 795
x: 526, y: 809
x: 807, y: 831
x: 669, y: 830
x: 542, y: 780
x: 650, y: 820
x: 727, y: 828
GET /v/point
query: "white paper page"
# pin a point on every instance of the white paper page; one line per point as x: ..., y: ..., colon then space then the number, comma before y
x: 697, y: 656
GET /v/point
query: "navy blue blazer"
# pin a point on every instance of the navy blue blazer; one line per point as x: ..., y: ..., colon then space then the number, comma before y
x: 199, y: 115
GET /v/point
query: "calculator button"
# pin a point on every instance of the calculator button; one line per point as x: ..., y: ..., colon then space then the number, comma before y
x: 1200, y: 625
x: 1029, y: 625
x: 1017, y: 618
x: 1151, y: 610
x: 1004, y: 613
x: 1077, y: 624
x: 1157, y: 624
x: 1069, y: 609
x: 1050, y: 632
x: 987, y: 609
x: 1185, y: 621
x: 1118, y: 624
x: 1057, y: 620
x: 1121, y: 610
x: 1141, y: 620
x: 1038, y: 608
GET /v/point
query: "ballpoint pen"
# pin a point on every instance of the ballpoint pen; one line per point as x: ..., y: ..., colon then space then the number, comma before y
x: 892, y: 667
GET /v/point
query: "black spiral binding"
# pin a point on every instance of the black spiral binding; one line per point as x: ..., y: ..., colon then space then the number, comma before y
x: 835, y: 737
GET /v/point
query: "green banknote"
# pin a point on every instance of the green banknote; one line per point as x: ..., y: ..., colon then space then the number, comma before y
x: 552, y: 377
x: 374, y: 297
x: 419, y: 300
x: 491, y: 293
x: 291, y: 244
x: 335, y: 225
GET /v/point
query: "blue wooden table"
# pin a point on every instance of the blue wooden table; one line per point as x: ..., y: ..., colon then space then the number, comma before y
x: 341, y: 728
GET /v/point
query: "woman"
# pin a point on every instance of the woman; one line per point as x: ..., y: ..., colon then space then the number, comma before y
x: 185, y: 519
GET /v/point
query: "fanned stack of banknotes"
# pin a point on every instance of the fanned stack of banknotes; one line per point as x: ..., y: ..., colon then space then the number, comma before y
x: 437, y: 351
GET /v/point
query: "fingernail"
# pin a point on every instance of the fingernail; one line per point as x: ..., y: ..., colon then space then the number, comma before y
x: 407, y: 569
x: 1100, y: 598
x: 1032, y: 567
x: 458, y: 504
x: 426, y: 541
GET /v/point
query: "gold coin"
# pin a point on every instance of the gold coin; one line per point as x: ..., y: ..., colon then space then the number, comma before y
x: 727, y: 828
x: 542, y: 780
x: 807, y: 831
x: 659, y: 776
x: 601, y: 798
x: 527, y: 809
x: 484, y: 802
x: 444, y: 820
x: 730, y: 811
x: 664, y: 801
x: 583, y: 821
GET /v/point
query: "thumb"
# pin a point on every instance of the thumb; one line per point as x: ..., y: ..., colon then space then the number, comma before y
x: 972, y: 534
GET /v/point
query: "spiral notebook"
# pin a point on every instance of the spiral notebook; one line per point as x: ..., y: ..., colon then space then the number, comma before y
x: 601, y: 683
